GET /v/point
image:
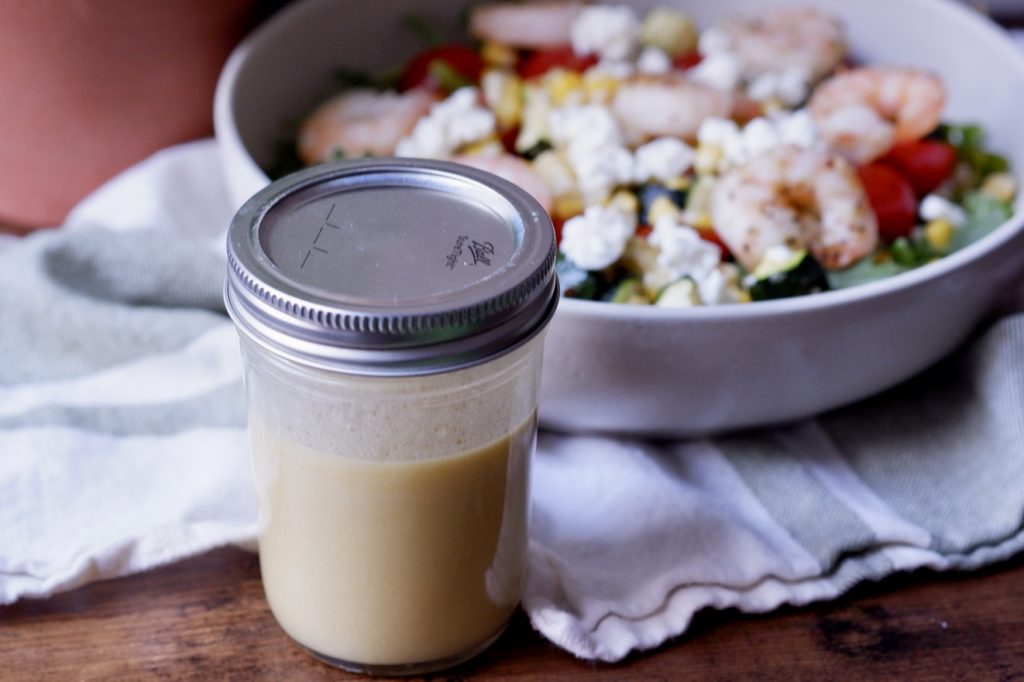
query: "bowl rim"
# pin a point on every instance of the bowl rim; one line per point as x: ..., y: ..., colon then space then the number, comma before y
x: 1012, y: 57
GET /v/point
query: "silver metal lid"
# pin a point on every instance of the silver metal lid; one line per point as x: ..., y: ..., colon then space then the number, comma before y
x: 391, y: 267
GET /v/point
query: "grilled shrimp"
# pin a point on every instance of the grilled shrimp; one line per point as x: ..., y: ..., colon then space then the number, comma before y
x: 361, y: 122
x: 781, y: 39
x: 515, y: 170
x: 795, y: 197
x: 649, y: 107
x: 530, y: 25
x: 864, y: 111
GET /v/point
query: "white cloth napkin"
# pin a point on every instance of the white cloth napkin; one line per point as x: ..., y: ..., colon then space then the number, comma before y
x: 122, y: 447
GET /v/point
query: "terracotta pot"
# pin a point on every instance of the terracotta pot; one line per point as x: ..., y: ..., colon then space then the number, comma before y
x: 89, y: 87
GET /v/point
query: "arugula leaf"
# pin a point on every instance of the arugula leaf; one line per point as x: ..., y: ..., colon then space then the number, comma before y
x: 984, y: 214
x: 446, y: 75
x: 865, y: 270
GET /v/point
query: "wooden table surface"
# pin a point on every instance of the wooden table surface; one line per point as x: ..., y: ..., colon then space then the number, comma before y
x: 206, y: 619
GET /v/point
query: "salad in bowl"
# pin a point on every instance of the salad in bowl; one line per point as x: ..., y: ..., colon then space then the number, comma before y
x: 748, y: 159
x: 706, y: 166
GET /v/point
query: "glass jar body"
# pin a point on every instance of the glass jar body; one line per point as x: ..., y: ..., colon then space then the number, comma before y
x: 393, y: 510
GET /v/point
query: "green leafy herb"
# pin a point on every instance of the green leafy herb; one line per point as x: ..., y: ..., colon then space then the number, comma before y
x: 984, y: 214
x: 536, y: 150
x: 865, y: 270
x: 446, y: 76
x: 969, y: 141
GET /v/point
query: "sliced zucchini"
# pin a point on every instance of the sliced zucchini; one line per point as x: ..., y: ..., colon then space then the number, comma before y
x: 629, y: 292
x: 797, y: 274
x: 680, y: 294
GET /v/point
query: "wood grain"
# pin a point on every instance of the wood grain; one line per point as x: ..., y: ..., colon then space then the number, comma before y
x: 206, y: 619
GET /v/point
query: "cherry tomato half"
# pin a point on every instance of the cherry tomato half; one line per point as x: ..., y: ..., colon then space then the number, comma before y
x: 465, y: 61
x: 558, y: 224
x: 508, y: 139
x: 687, y: 61
x: 540, y: 62
x: 892, y: 199
x: 708, y: 234
x: 925, y: 163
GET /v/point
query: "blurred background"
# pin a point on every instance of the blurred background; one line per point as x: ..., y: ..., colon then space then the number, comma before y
x: 92, y: 86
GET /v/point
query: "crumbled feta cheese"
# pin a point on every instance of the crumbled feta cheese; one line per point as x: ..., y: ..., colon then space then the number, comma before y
x: 589, y: 125
x: 451, y: 123
x: 592, y: 142
x: 596, y: 239
x: 610, y: 31
x: 720, y: 145
x: 681, y: 251
x: 653, y: 61
x: 599, y: 170
x: 935, y: 207
x: 723, y: 144
x: 721, y: 70
x: 797, y: 128
x: 789, y: 86
x: 758, y: 136
x: 721, y: 285
x: 714, y: 41
x: 663, y: 159
x: 717, y: 131
x: 794, y: 85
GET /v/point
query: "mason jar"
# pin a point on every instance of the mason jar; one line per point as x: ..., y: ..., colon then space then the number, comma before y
x: 391, y: 316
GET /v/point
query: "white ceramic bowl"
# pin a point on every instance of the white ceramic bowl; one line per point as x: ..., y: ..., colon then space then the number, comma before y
x: 684, y: 372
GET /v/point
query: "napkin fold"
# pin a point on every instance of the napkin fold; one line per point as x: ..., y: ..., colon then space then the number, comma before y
x: 122, y: 447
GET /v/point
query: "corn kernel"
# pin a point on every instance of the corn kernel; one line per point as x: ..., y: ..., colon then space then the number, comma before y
x: 1001, y: 186
x: 773, y: 105
x: 624, y: 200
x: 567, y: 206
x: 487, y: 146
x: 640, y: 257
x: 554, y: 172
x: 938, y: 233
x: 708, y: 159
x: 656, y: 279
x: 699, y: 219
x: 561, y: 84
x: 680, y: 183
x: 498, y: 54
x: 503, y: 93
x: 669, y: 30
x: 662, y: 207
x: 599, y: 88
